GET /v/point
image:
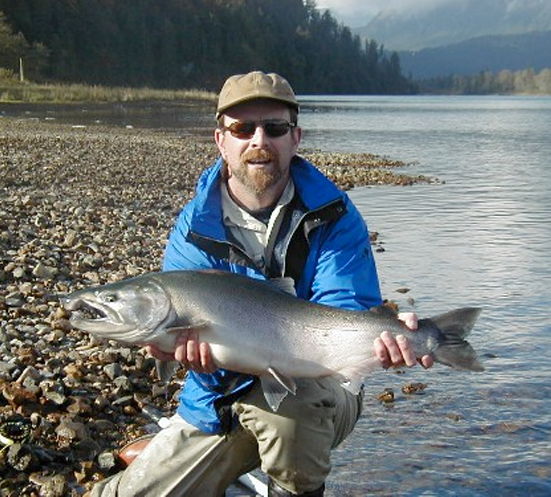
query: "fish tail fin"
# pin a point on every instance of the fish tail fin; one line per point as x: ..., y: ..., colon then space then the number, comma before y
x: 454, y: 350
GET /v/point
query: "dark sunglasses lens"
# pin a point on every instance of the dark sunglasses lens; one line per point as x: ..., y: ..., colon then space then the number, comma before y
x: 242, y: 129
x: 276, y: 129
x: 245, y: 130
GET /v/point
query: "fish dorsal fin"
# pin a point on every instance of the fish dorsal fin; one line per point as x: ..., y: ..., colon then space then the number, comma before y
x: 276, y: 387
x: 384, y: 310
x: 285, y: 284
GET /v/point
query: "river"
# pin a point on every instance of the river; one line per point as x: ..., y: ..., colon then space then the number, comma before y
x: 479, y: 238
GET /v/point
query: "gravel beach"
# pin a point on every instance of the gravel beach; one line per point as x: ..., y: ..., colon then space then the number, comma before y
x: 82, y: 206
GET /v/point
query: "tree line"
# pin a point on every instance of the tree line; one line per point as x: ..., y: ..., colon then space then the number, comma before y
x: 526, y: 81
x: 193, y: 44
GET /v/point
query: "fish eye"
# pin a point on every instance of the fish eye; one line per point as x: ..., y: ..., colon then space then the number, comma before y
x: 110, y: 298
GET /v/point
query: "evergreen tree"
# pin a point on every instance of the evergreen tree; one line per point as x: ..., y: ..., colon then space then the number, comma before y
x: 198, y: 43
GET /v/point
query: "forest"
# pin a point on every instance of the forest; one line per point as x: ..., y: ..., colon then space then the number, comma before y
x: 526, y: 81
x: 192, y: 44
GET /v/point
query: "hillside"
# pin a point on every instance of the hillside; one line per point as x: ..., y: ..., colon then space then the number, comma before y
x: 486, y: 53
x: 423, y: 24
x: 183, y: 44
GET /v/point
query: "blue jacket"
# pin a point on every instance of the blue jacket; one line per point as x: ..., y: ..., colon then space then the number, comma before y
x: 323, y: 244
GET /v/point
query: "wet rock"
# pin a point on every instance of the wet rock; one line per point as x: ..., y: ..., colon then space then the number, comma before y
x: 386, y: 397
x: 414, y: 388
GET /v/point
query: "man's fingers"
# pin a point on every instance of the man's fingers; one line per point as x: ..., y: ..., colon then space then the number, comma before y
x: 380, y: 353
x: 427, y: 361
x: 394, y: 349
x: 206, y: 358
x: 409, y: 319
x: 406, y: 351
x: 192, y: 353
x: 158, y: 354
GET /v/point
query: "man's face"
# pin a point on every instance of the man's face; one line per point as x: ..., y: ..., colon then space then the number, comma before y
x: 259, y: 162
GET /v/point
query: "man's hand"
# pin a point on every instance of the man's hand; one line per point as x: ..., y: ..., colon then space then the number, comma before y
x: 189, y: 351
x: 396, y: 352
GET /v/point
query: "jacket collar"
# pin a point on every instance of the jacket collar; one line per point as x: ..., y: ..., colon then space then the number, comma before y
x: 313, y: 188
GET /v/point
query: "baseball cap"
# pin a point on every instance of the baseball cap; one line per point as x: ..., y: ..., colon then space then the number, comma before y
x: 245, y: 87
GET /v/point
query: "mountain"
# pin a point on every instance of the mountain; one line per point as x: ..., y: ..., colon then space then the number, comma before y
x: 432, y: 23
x: 486, y: 53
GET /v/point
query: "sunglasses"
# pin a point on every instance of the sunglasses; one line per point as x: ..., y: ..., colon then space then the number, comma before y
x: 245, y: 130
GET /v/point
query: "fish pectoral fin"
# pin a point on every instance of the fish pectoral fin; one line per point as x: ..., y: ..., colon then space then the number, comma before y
x: 352, y: 377
x: 165, y: 369
x: 353, y: 385
x: 287, y: 383
x: 276, y: 387
x: 180, y: 328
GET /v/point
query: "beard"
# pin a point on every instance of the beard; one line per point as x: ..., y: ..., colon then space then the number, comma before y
x: 260, y: 179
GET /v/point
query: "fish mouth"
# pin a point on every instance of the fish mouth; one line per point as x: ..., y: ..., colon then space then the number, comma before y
x: 92, y: 316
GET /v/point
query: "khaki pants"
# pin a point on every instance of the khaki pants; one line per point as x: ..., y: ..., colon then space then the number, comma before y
x: 292, y: 446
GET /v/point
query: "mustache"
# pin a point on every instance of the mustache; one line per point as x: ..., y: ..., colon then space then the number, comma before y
x: 262, y: 155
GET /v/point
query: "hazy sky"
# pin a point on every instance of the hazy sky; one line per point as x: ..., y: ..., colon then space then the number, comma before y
x: 356, y: 13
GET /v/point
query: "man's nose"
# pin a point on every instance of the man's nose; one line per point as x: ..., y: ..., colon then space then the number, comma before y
x: 260, y: 137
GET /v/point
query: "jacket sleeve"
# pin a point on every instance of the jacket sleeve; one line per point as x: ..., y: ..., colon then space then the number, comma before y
x: 345, y: 274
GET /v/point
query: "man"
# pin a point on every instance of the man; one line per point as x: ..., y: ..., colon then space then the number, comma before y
x: 262, y: 211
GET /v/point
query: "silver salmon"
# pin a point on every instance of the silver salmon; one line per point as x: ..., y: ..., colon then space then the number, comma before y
x: 257, y: 328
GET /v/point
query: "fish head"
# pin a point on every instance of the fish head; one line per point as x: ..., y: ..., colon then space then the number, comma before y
x: 129, y: 311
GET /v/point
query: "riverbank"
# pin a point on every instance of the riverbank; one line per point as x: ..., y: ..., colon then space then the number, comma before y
x: 83, y: 206
x: 27, y: 92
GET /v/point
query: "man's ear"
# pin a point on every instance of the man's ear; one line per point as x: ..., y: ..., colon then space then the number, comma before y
x: 297, y: 136
x: 220, y: 139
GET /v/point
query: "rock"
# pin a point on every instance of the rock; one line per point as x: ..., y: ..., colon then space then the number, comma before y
x: 22, y: 458
x: 107, y: 460
x: 113, y: 370
x: 123, y: 383
x: 44, y: 272
x: 50, y: 486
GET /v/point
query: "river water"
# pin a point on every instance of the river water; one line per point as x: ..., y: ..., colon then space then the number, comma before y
x: 479, y: 238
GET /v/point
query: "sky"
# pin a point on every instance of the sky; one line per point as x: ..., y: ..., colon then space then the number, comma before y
x: 357, y: 13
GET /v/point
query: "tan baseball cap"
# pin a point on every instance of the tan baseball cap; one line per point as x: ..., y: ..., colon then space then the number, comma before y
x: 244, y: 87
